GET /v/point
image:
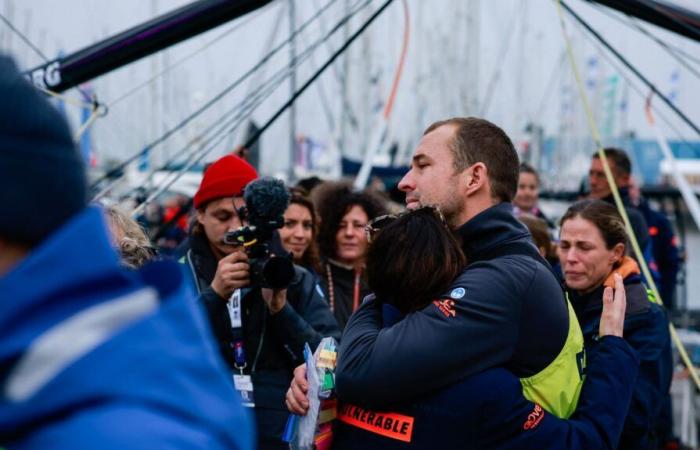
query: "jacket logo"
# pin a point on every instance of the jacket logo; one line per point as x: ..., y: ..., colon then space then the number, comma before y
x: 391, y: 425
x: 447, y: 307
x: 534, y: 418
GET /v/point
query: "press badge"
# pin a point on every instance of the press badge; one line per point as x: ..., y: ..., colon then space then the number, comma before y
x: 244, y: 386
x: 234, y: 309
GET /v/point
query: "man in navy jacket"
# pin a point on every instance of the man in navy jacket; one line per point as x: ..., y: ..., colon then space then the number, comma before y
x: 505, y: 310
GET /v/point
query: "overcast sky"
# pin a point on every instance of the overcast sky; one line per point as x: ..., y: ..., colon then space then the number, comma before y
x: 456, y: 50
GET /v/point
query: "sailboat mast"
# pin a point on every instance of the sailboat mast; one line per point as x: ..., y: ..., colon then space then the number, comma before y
x: 292, y: 90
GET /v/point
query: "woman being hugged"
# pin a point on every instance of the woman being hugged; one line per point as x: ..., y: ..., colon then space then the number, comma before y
x: 593, y: 247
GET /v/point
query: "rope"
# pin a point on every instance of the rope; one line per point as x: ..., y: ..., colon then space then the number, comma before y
x: 673, y: 51
x: 505, y: 47
x: 179, y: 62
x: 627, y: 64
x: 631, y: 84
x: 211, y: 102
x: 273, y: 83
x: 399, y: 70
x: 24, y: 38
x: 616, y: 193
x: 320, y: 71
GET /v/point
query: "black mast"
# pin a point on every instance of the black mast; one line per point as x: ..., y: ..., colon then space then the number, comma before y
x: 660, y: 13
x: 142, y: 40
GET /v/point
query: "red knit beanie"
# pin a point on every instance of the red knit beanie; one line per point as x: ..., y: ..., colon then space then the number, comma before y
x: 224, y: 178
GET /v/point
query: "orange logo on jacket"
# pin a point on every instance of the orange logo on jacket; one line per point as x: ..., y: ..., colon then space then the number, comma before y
x: 447, y: 307
x: 534, y: 418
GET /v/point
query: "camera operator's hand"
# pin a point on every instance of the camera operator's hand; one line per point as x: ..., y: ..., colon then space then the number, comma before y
x: 612, y: 319
x: 231, y: 274
x: 274, y: 299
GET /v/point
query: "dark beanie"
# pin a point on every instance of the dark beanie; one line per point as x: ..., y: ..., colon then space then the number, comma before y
x: 42, y: 177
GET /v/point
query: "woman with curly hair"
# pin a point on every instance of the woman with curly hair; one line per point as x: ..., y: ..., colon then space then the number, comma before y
x: 299, y: 231
x: 343, y: 244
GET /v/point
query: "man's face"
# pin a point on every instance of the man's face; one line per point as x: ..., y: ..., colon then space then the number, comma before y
x: 432, y: 179
x: 218, y: 218
x: 599, y: 184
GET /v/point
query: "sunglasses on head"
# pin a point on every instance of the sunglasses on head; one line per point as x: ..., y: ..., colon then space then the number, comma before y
x: 376, y: 224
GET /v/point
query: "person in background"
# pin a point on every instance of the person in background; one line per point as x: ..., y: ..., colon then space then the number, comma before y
x: 261, y: 331
x: 343, y: 244
x: 132, y: 243
x: 664, y: 245
x: 527, y: 196
x: 92, y: 355
x: 542, y: 239
x: 621, y: 168
x: 299, y: 231
x: 592, y: 247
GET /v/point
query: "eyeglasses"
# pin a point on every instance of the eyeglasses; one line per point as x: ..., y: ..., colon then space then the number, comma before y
x: 376, y: 224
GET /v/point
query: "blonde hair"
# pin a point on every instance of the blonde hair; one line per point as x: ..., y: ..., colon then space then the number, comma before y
x: 134, y: 246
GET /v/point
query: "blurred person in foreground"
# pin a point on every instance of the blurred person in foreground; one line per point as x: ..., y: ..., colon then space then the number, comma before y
x: 413, y: 257
x: 92, y: 355
x: 593, y: 247
x: 260, y: 331
x: 131, y: 241
x: 343, y: 244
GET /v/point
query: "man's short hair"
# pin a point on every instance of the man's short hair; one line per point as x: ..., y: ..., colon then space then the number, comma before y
x: 623, y: 165
x: 478, y: 140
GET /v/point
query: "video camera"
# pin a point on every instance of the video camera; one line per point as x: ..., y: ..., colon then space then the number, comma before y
x: 266, y: 200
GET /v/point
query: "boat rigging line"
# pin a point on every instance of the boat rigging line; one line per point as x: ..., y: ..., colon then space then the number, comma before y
x: 273, y: 83
x: 634, y: 70
x: 303, y: 88
x: 194, y: 53
x: 679, y: 55
x: 120, y: 167
x: 637, y: 90
x: 498, y: 64
x: 318, y: 73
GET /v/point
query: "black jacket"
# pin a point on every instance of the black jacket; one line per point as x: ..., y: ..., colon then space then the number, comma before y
x: 274, y: 344
x: 504, y: 310
x: 637, y: 220
x: 646, y: 331
x: 342, y: 289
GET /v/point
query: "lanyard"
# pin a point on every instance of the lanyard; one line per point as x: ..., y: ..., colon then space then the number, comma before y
x: 234, y: 312
x: 356, y: 288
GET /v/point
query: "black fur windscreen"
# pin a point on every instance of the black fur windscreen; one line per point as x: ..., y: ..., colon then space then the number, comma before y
x: 266, y: 198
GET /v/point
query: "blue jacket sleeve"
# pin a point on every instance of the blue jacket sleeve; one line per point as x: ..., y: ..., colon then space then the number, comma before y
x: 597, y: 422
x: 453, y: 339
x: 306, y: 318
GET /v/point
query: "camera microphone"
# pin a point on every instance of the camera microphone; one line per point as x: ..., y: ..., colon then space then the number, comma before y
x: 266, y: 200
